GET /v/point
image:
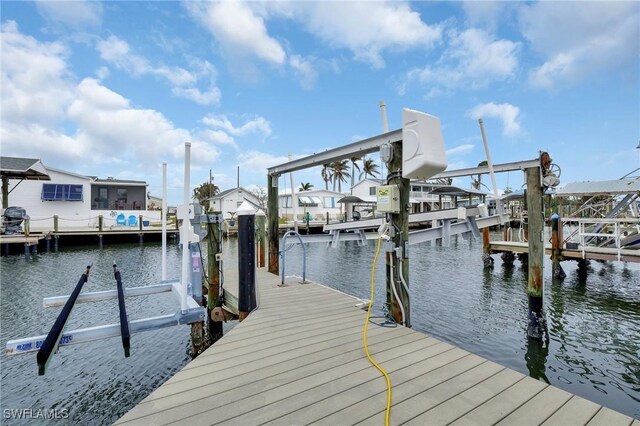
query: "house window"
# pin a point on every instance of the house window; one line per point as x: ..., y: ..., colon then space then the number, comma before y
x: 416, y: 188
x: 56, y: 192
x: 372, y: 190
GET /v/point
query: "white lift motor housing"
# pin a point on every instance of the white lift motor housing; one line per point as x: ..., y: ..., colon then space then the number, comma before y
x: 423, y: 153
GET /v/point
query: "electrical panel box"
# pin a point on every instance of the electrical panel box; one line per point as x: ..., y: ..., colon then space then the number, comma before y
x: 388, y: 199
x: 423, y: 153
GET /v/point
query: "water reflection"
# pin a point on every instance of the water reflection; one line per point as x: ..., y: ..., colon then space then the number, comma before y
x: 536, y: 359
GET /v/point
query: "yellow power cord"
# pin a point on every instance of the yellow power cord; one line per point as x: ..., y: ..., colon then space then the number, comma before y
x: 364, y: 335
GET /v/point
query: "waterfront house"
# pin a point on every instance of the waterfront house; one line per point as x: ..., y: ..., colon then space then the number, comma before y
x: 316, y: 202
x: 228, y: 201
x: 78, y: 200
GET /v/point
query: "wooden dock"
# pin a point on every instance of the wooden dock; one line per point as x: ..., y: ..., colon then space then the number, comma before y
x: 298, y: 359
x: 586, y: 252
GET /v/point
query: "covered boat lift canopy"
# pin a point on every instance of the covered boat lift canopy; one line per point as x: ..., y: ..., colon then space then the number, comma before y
x: 19, y: 168
x: 604, y: 187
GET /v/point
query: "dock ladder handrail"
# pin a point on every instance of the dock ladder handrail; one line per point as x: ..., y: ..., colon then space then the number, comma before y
x: 283, y: 250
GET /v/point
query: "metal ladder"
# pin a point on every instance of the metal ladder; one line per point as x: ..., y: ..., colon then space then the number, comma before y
x: 283, y: 251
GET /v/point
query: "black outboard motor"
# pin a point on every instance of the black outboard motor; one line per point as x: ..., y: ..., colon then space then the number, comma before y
x: 13, y: 217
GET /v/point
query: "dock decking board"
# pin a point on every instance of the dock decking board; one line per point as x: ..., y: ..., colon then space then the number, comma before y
x: 298, y: 359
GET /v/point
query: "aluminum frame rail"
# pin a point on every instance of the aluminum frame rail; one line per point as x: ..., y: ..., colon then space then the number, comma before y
x: 49, y: 345
x: 124, y: 322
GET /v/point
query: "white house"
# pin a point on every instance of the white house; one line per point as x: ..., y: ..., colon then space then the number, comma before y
x: 228, y: 201
x: 78, y: 200
x: 316, y: 202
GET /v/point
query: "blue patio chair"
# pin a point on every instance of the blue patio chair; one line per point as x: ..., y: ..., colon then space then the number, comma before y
x: 120, y: 220
x: 133, y: 221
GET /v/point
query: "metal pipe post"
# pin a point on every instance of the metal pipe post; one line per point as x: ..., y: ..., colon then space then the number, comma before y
x: 185, y: 227
x: 246, y: 263
x: 537, y: 327
x: 164, y: 221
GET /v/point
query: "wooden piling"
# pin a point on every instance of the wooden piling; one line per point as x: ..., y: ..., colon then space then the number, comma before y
x: 55, y: 223
x: 272, y: 215
x: 5, y: 192
x: 100, y: 222
x: 246, y: 265
x: 261, y: 237
x: 214, y: 305
x: 557, y: 271
x: 486, y: 249
x: 537, y: 327
x: 401, y: 240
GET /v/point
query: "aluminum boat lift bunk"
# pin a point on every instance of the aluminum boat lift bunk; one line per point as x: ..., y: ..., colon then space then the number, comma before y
x: 187, y: 295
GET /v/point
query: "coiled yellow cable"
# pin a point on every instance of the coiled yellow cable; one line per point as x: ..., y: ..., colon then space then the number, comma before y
x: 364, y: 335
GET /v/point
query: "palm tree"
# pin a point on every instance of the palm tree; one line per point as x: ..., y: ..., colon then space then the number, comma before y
x: 205, y: 190
x: 305, y: 186
x: 354, y: 166
x: 326, y: 175
x: 369, y: 167
x: 340, y: 173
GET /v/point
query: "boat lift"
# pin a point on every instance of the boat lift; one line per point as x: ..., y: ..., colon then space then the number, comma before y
x: 187, y: 291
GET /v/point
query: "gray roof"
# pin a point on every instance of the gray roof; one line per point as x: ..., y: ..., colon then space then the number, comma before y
x: 121, y: 182
x: 227, y: 191
x: 23, y: 168
x: 604, y: 187
x: 456, y: 191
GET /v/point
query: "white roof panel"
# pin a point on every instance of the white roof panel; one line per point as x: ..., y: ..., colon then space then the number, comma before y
x: 604, y: 187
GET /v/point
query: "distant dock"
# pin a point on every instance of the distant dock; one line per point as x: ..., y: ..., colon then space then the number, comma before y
x: 298, y: 359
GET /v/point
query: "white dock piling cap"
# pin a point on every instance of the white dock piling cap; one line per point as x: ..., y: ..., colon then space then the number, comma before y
x: 245, y: 209
x: 260, y: 212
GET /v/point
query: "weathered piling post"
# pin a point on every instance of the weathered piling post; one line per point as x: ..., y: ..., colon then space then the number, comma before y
x: 215, y: 316
x: 486, y: 249
x: 26, y: 250
x: 55, y: 243
x: 556, y: 242
x: 55, y: 223
x: 246, y: 260
x: 47, y: 243
x: 400, y: 221
x: 140, y: 222
x: 100, y: 222
x: 537, y: 327
x: 34, y: 248
x: 100, y: 241
x: 261, y: 220
x: 272, y: 214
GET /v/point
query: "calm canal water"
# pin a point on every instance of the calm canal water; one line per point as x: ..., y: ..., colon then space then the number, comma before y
x: 594, y: 325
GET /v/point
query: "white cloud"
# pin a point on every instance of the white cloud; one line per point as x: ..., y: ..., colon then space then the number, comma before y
x: 76, y: 14
x: 507, y: 113
x: 185, y: 83
x: 367, y: 28
x: 474, y: 59
x: 460, y: 149
x: 217, y: 137
x: 578, y: 40
x: 259, y: 162
x: 303, y: 68
x: 257, y: 125
x: 238, y: 30
x: 35, y: 85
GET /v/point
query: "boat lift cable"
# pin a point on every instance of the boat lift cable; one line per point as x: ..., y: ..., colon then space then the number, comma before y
x: 364, y: 334
x: 50, y: 344
x: 124, y: 321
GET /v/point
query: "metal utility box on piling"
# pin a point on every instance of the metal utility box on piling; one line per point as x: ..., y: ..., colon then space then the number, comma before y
x: 215, y: 316
x: 246, y: 260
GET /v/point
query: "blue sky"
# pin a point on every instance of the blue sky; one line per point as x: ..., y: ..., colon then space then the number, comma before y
x: 115, y: 88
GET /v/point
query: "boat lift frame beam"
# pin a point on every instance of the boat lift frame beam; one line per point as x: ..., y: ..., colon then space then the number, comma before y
x: 83, y: 335
x: 497, y: 168
x: 360, y: 148
x: 98, y: 296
